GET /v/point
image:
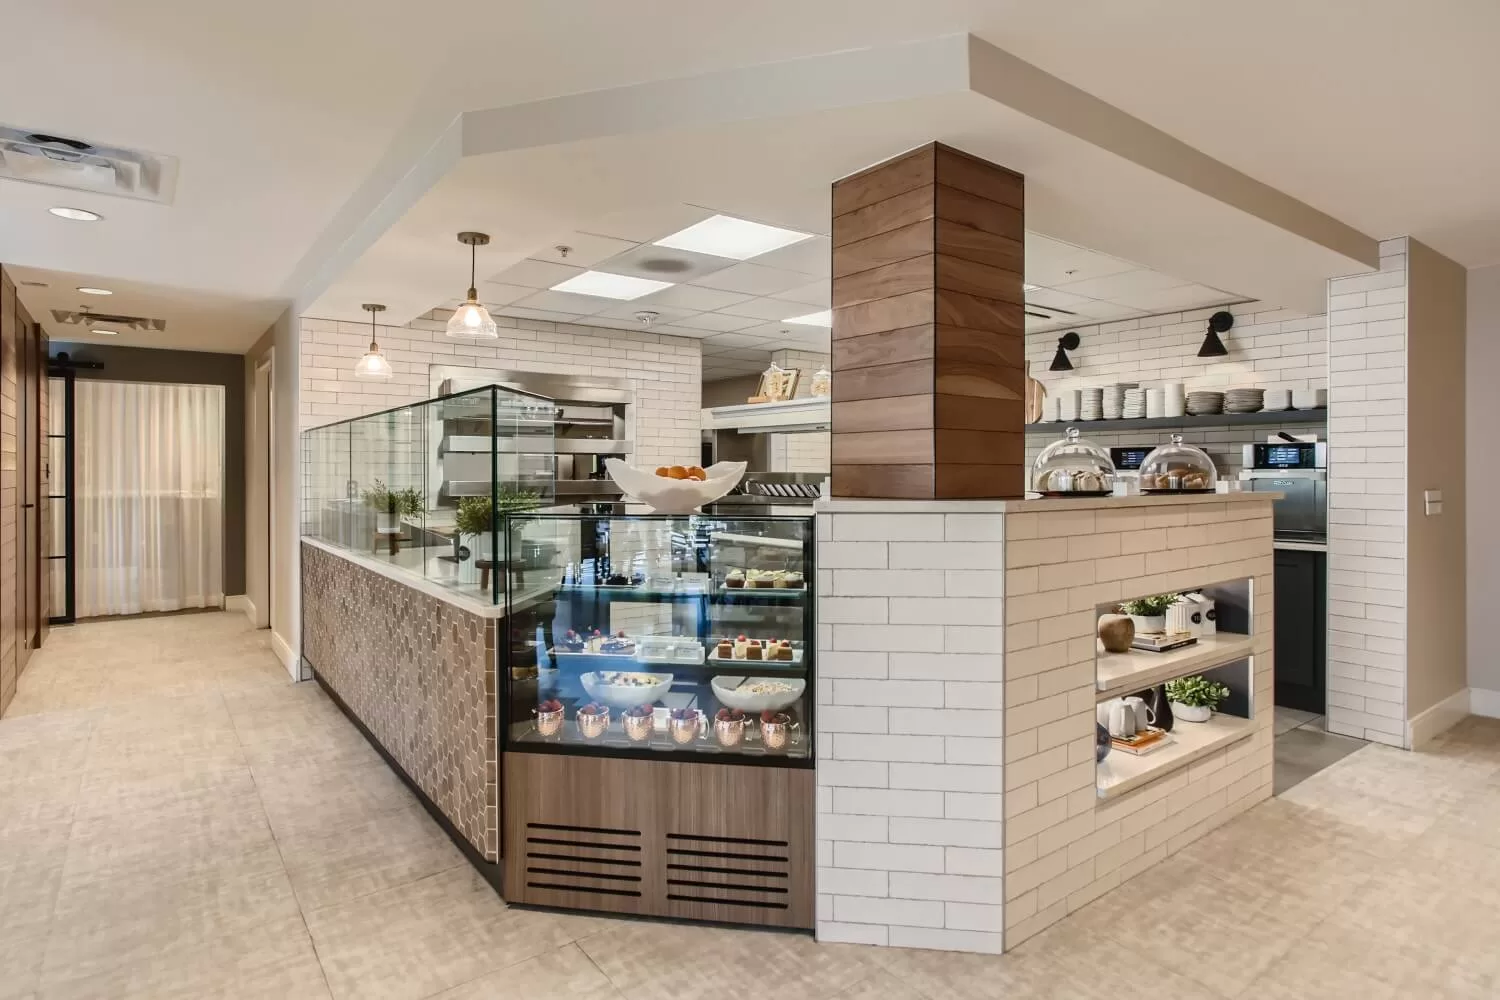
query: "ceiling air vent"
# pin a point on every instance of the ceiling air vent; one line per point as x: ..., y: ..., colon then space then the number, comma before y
x: 79, y: 165
x: 130, y: 322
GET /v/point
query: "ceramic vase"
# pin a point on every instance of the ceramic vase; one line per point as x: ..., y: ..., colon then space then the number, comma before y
x: 1149, y: 623
x: 1191, y: 713
x: 1158, y: 708
x: 1116, y: 632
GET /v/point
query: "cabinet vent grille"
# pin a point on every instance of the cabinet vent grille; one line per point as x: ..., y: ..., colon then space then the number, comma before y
x: 728, y: 871
x: 584, y: 859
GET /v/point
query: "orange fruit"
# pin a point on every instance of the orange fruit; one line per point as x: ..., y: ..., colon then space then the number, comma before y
x: 677, y: 472
x: 661, y: 470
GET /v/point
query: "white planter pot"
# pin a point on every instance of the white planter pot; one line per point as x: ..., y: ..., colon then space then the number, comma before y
x: 1149, y: 623
x: 479, y: 548
x: 1191, y: 713
x: 387, y: 523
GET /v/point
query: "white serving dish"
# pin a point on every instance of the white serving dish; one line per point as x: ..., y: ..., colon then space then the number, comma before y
x: 675, y: 496
x: 623, y: 695
x: 746, y: 702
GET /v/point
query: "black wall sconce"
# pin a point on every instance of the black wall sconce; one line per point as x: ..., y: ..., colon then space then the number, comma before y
x: 1067, y: 342
x: 1213, y: 347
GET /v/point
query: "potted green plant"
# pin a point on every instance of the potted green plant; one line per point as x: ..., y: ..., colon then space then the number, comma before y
x: 477, y: 517
x: 1194, y: 699
x: 391, y: 506
x: 1149, y: 614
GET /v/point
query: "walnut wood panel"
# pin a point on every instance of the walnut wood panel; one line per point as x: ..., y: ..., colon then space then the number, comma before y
x: 883, y: 216
x: 928, y: 331
x: 885, y: 180
x: 893, y: 313
x: 957, y: 240
x: 897, y: 413
x: 693, y: 841
x: 887, y: 248
x: 887, y: 447
x: 913, y: 378
x: 977, y: 176
x: 889, y: 347
x: 9, y: 492
x: 911, y: 275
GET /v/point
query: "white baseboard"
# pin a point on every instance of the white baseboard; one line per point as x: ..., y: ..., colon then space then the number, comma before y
x: 1485, y: 702
x: 240, y: 603
x: 1440, y: 718
x: 288, y: 656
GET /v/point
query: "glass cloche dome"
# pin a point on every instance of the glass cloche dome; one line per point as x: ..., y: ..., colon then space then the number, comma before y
x: 1178, y: 468
x: 1073, y: 467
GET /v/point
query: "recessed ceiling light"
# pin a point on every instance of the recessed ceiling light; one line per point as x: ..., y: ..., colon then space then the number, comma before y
x: 87, y: 290
x: 76, y: 214
x: 106, y: 333
x: 737, y: 239
x: 604, y: 285
x: 824, y: 318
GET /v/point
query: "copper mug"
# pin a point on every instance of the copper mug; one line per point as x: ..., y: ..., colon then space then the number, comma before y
x: 777, y: 733
x: 684, y: 731
x: 638, y: 727
x: 548, y: 723
x: 593, y: 726
x: 729, y: 732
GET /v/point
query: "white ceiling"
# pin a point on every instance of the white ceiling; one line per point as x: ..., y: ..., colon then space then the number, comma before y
x: 195, y: 321
x: 290, y: 118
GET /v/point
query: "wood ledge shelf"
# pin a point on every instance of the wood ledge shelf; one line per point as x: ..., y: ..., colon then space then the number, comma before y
x: 1126, y: 673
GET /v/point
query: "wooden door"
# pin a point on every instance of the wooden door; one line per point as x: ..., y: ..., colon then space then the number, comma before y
x: 9, y: 493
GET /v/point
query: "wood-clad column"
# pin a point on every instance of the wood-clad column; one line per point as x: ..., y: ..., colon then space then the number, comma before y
x: 929, y: 351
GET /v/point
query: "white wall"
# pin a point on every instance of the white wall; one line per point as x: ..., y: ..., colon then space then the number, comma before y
x: 808, y: 451
x: 1483, y: 419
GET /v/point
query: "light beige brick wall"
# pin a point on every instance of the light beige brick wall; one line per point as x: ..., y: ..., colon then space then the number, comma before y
x: 1064, y: 847
x: 809, y: 451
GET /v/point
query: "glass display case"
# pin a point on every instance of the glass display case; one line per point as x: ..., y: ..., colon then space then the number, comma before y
x: 1073, y: 467
x: 1178, y: 468
x: 660, y: 637
x: 423, y: 487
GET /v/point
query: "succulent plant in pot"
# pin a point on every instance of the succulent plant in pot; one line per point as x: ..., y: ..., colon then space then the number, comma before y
x: 1149, y: 613
x: 1194, y: 699
x: 390, y: 506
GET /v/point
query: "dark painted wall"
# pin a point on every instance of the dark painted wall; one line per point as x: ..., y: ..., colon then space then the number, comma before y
x: 142, y: 364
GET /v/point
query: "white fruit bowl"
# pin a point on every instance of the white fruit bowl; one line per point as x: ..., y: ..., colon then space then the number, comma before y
x: 675, y: 496
x: 748, y: 702
x: 626, y: 695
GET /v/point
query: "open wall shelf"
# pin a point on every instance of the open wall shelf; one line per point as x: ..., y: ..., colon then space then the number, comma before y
x: 1121, y: 772
x: 1319, y: 416
x: 1120, y: 674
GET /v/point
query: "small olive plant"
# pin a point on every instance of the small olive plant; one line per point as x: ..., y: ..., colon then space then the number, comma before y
x: 1148, y: 607
x: 1197, y: 692
x: 476, y: 514
x: 384, y: 500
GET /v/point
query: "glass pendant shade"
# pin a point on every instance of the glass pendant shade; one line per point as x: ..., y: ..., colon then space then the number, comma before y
x: 373, y: 366
x: 472, y: 320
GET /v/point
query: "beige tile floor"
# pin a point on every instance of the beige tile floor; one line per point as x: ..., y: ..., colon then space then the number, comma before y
x: 177, y: 821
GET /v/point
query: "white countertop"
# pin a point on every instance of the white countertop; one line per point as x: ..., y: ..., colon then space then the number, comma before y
x: 411, y: 576
x: 850, y: 505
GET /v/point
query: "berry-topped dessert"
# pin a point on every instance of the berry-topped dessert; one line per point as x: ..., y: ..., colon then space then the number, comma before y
x: 729, y: 726
x: 573, y: 642
x: 684, y: 725
x: 724, y: 650
x: 639, y: 722
x: 593, y: 720
x: 734, y: 579
x: 618, y: 644
x: 549, y: 717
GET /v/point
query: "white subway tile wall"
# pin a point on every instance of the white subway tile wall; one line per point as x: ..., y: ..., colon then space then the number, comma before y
x: 1367, y: 660
x: 911, y: 717
x: 1063, y: 846
x: 667, y: 372
x: 807, y: 452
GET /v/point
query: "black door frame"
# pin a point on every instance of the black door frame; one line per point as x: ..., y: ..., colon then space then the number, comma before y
x: 64, y: 369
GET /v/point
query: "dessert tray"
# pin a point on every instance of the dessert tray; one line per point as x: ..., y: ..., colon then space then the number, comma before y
x: 747, y: 651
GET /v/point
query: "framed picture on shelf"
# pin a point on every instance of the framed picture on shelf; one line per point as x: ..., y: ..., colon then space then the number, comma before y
x: 777, y: 384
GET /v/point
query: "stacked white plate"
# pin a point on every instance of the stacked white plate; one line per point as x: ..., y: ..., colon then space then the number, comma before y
x: 1135, y: 404
x: 1203, y: 401
x: 1244, y: 400
x: 1277, y: 399
x: 1091, y: 404
x: 1114, y: 401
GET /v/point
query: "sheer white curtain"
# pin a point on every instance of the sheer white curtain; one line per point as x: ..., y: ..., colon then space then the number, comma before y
x: 149, y: 505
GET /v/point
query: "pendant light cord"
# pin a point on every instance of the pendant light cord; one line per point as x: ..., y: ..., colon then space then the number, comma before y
x: 473, y: 291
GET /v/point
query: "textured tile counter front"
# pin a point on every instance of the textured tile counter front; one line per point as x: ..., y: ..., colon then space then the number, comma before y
x: 418, y: 673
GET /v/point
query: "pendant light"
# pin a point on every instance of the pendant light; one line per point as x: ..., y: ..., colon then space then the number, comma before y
x: 471, y: 320
x: 1213, y: 347
x: 373, y: 365
x: 1067, y: 342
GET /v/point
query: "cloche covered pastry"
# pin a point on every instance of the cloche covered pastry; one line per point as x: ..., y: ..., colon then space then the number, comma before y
x: 1073, y: 467
x: 1178, y: 468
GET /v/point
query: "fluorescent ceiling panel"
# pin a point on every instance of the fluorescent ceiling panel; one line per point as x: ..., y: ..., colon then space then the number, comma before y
x: 737, y: 239
x: 610, y: 286
x: 824, y: 318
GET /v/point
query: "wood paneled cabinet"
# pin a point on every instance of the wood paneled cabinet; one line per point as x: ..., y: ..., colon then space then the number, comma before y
x: 23, y: 384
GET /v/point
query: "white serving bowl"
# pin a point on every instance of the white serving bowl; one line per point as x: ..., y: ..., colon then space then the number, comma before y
x: 746, y: 702
x: 623, y: 695
x: 675, y: 496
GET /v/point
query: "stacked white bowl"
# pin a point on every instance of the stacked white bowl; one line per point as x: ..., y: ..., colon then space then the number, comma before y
x: 1174, y: 400
x: 1155, y: 403
x: 1278, y: 399
x: 1309, y: 399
